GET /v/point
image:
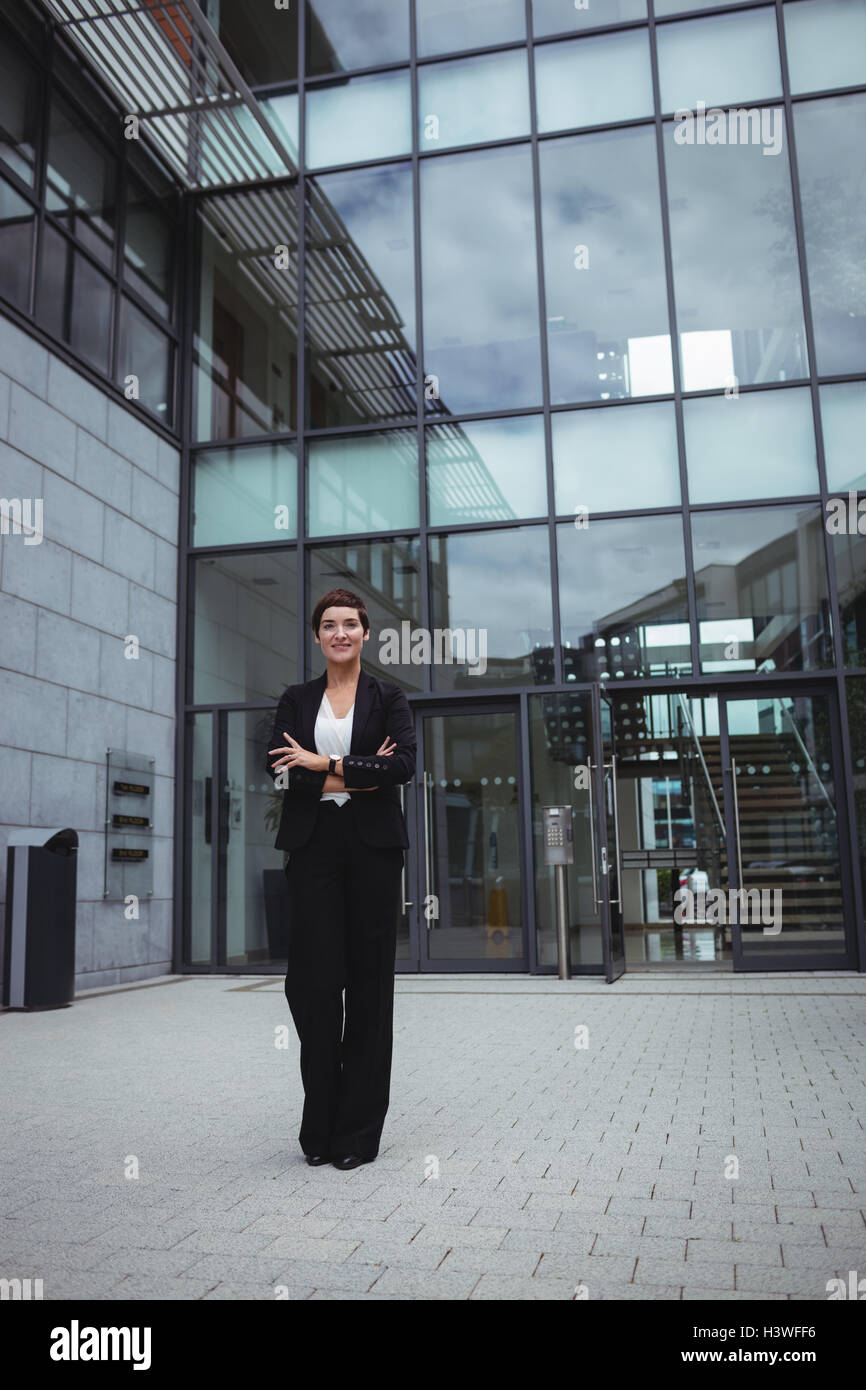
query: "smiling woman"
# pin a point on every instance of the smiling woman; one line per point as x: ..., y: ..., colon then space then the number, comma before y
x: 343, y: 735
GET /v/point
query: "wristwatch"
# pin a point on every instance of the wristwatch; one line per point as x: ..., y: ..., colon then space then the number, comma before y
x: 332, y: 766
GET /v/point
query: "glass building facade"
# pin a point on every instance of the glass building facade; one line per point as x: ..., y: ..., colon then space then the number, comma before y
x: 551, y: 344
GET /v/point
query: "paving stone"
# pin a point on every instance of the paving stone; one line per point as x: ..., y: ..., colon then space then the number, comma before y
x: 708, y: 1273
x: 496, y: 1287
x: 592, y: 1270
x: 692, y: 1295
x: 236, y: 1292
x: 520, y: 1263
x: 757, y: 1282
x: 434, y: 1284
x: 144, y: 1288
x: 405, y: 1254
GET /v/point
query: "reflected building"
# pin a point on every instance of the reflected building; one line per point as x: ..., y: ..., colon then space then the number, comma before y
x: 469, y: 321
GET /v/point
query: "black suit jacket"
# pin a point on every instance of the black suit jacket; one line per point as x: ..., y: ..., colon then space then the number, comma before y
x: 380, y: 708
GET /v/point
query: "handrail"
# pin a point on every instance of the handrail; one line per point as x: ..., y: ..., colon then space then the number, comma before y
x: 700, y: 753
x: 806, y: 754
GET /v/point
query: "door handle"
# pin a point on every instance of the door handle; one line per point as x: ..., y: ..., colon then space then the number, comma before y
x: 595, y: 898
x: 616, y: 830
x: 736, y: 804
x: 406, y: 903
x: 427, y: 849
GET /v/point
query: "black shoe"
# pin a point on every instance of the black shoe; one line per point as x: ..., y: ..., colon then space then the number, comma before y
x: 315, y: 1159
x: 349, y: 1161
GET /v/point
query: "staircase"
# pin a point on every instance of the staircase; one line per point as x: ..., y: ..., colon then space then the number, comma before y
x: 788, y: 833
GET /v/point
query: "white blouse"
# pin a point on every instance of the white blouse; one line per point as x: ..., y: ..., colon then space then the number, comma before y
x: 334, y: 740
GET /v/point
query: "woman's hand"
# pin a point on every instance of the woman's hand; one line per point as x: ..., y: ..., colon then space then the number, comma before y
x: 296, y: 756
x: 384, y: 751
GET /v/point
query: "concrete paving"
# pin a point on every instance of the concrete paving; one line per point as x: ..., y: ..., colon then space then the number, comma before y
x: 666, y: 1137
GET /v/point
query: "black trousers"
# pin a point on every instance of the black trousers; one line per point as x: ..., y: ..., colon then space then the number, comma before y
x: 345, y: 901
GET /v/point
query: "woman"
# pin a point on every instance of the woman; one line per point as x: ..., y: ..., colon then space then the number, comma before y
x: 343, y: 744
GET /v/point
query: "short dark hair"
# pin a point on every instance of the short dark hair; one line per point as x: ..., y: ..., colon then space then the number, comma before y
x: 339, y: 598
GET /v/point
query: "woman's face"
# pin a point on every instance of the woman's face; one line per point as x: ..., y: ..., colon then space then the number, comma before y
x: 341, y: 635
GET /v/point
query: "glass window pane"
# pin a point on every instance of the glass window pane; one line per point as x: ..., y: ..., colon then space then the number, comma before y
x: 622, y: 598
x: 846, y: 523
x: 666, y: 7
x: 843, y: 419
x: 17, y: 222
x: 613, y: 460
x: 757, y: 444
x: 360, y: 297
x: 55, y: 271
x: 81, y: 181
x: 387, y: 576
x: 361, y: 118
x: 226, y: 135
x: 146, y: 355
x: 20, y: 91
x: 486, y: 470
x: 473, y: 100
x: 608, y: 332
x: 558, y: 16
x: 722, y: 59
x: 481, y: 338
x: 826, y: 43
x: 245, y: 495
x: 149, y: 245
x: 504, y: 631
x: 244, y: 627
x: 365, y: 483
x: 761, y: 587
x: 261, y: 39
x: 368, y: 34
x: 74, y: 300
x: 246, y: 343
x: 258, y: 922
x: 736, y: 276
x: 593, y: 81
x: 447, y: 26
x: 282, y: 112
x: 831, y: 155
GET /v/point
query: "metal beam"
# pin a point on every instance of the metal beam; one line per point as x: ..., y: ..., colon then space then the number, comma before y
x: 167, y: 66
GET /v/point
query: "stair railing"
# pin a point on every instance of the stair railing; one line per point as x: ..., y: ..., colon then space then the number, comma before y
x: 806, y: 754
x: 700, y: 752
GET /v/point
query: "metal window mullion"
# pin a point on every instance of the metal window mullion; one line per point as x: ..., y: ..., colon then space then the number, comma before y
x: 541, y: 292
x: 302, y: 384
x: 425, y: 596
x: 667, y: 247
x: 46, y: 75
x: 121, y: 157
x: 184, y: 298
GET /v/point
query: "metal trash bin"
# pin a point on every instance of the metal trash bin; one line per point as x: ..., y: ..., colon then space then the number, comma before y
x: 39, y: 956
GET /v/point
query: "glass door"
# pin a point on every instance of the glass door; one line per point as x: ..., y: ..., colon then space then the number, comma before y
x: 792, y: 902
x: 662, y: 827
x: 467, y: 910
